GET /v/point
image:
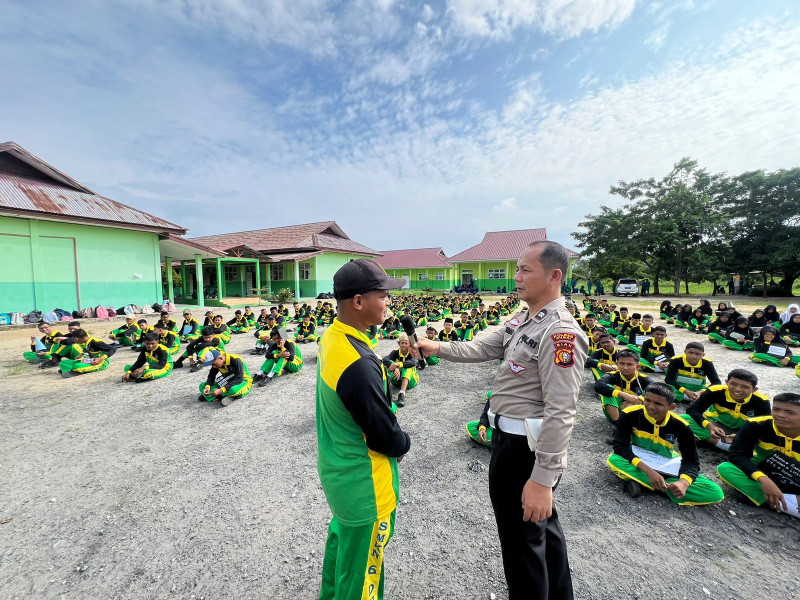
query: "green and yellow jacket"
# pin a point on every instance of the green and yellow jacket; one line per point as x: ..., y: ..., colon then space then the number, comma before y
x: 716, y: 404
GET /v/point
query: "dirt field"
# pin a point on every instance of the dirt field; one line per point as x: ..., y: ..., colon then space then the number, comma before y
x: 139, y: 491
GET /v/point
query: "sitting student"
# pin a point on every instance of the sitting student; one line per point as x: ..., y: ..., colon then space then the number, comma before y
x: 431, y: 334
x: 621, y: 322
x: 306, y: 331
x: 190, y: 330
x: 790, y: 331
x: 684, y: 316
x: 154, y: 360
x: 169, y: 324
x: 98, y: 354
x: 705, y: 308
x: 757, y: 320
x: 588, y: 323
x: 627, y: 327
x: 719, y: 327
x: 480, y: 430
x: 772, y: 315
x: 221, y: 329
x: 699, y: 321
x: 234, y: 381
x: 656, y: 351
x: 594, y: 339
x: 637, y: 335
x: 198, y: 351
x: 622, y: 388
x: 127, y: 333
x: 673, y: 314
x: 793, y: 309
x: 167, y: 338
x: 570, y: 307
x: 434, y: 314
x: 665, y: 308
x: 250, y: 316
x: 282, y: 354
x: 654, y: 427
x: 687, y: 373
x: 238, y: 324
x: 739, y: 336
x: 603, y: 359
x: 261, y: 320
x: 209, y: 320
x: 63, y: 347
x: 402, y: 368
x: 480, y: 322
x: 465, y: 328
x: 263, y: 332
x: 449, y: 333
x: 391, y: 328
x: 40, y: 347
x: 733, y: 313
x: 769, y: 348
x: 298, y: 312
x: 754, y: 469
x: 144, y: 329
x: 326, y: 315
x: 721, y: 410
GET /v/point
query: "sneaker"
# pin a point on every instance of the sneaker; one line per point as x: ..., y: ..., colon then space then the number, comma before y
x: 258, y: 377
x: 49, y: 364
x: 401, y: 399
x: 265, y: 381
x: 177, y: 365
x: 632, y: 488
x: 68, y: 374
x: 255, y: 352
x: 201, y: 398
x: 194, y: 369
x: 226, y: 401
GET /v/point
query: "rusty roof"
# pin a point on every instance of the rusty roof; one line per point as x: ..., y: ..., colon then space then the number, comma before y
x: 324, y: 235
x: 55, y: 196
x: 414, y: 258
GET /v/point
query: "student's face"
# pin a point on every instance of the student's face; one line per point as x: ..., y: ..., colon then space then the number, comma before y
x: 659, y: 336
x: 405, y: 346
x: 694, y: 356
x: 596, y: 336
x: 739, y: 389
x: 276, y: 339
x: 82, y: 340
x: 607, y: 344
x: 795, y: 318
x: 786, y: 415
x: 151, y: 345
x: 448, y: 327
x: 463, y: 317
x: 187, y: 316
x: 571, y: 310
x: 590, y: 321
x: 208, y: 338
x: 759, y: 314
x: 217, y: 320
x: 623, y: 313
x: 634, y: 322
x: 722, y: 306
x: 647, y: 321
x: 793, y: 311
x: 768, y: 336
x: 627, y: 367
x: 306, y: 320
x: 219, y: 361
x: 45, y: 329
x: 431, y: 334
x: 657, y: 406
x: 165, y: 317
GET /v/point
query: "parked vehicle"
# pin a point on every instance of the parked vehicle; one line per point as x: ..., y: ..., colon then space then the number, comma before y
x: 627, y: 287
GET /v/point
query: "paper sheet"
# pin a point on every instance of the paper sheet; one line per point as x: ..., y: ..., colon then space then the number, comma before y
x: 779, y: 351
x: 641, y: 338
x: 791, y: 504
x: 666, y: 466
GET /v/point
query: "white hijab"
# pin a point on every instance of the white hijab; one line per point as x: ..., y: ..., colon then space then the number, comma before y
x: 788, y: 314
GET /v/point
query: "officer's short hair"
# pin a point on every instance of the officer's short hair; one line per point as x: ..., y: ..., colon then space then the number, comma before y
x: 554, y: 256
x: 662, y: 389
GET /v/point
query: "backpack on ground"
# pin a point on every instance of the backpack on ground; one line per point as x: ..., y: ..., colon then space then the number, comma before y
x: 60, y: 312
x: 128, y: 310
x: 76, y: 314
x: 169, y: 306
x: 5, y: 318
x: 112, y: 312
x: 137, y: 309
x: 17, y: 318
x: 156, y: 307
x: 100, y: 312
x: 66, y: 318
x: 33, y: 317
x: 50, y: 317
x: 88, y: 313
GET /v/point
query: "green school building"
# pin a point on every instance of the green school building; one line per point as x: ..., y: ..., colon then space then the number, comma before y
x: 64, y: 246
x: 422, y: 268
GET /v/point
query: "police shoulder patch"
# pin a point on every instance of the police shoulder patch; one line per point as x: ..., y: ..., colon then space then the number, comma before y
x: 564, y: 344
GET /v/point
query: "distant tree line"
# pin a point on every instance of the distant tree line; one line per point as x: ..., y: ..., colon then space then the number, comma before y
x: 693, y: 226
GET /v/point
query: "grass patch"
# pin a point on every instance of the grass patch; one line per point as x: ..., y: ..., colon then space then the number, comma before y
x: 15, y: 369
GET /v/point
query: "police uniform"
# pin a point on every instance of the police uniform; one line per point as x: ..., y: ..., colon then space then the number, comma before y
x: 543, y: 356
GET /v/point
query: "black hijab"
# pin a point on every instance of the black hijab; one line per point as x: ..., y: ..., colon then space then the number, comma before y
x: 755, y: 320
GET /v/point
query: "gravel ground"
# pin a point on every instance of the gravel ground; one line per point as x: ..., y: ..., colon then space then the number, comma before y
x: 139, y: 491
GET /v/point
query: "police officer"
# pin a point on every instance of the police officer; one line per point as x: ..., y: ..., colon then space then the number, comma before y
x: 534, y: 396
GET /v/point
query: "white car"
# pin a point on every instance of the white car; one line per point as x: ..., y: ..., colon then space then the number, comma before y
x: 627, y: 287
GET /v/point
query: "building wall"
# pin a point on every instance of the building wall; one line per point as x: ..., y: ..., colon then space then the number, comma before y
x: 50, y: 264
x: 480, y: 274
x: 416, y: 284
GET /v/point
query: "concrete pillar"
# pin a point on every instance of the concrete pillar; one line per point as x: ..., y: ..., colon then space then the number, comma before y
x: 242, y: 283
x: 184, y: 283
x: 198, y: 275
x: 258, y: 277
x: 296, y: 269
x: 220, y: 280
x: 168, y: 269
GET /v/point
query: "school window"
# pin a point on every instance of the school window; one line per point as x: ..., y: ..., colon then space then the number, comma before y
x: 277, y: 272
x: 497, y: 273
x: 440, y: 277
x: 423, y: 277
x: 305, y: 271
x: 231, y: 273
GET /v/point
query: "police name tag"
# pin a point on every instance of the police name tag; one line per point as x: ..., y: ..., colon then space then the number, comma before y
x: 641, y: 338
x: 778, y: 351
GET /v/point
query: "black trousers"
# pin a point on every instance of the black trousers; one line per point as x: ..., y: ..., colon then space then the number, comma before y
x: 534, y: 554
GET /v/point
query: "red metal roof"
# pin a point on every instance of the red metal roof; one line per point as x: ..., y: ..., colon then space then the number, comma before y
x: 325, y: 235
x: 503, y: 245
x: 414, y: 258
x: 46, y: 192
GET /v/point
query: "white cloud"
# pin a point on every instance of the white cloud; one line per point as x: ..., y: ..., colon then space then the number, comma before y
x: 656, y: 39
x: 427, y: 13
x: 505, y: 205
x: 561, y: 18
x: 527, y: 98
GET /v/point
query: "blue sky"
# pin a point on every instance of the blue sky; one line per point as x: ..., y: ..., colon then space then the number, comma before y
x: 409, y: 123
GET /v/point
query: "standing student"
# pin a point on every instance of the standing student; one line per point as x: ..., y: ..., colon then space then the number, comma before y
x: 537, y: 380
x: 359, y: 442
x: 690, y: 373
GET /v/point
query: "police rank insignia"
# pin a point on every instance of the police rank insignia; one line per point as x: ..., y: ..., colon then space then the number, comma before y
x: 564, y: 349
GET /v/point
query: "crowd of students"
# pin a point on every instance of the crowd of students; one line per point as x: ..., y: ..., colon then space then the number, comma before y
x: 654, y: 447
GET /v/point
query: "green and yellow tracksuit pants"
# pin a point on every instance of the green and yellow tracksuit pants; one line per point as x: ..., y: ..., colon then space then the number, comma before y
x: 125, y: 341
x: 472, y: 431
x: 352, y: 568
x: 466, y: 334
x: 700, y: 492
x: 716, y: 338
x: 391, y: 335
x: 311, y: 337
x: 81, y: 366
x: 239, y: 328
x: 31, y: 356
x: 759, y: 357
x: 396, y: 377
x: 607, y: 401
x: 279, y: 365
x: 238, y: 391
x: 736, y: 478
x: 150, y: 373
x: 748, y: 345
x: 679, y: 395
x: 432, y: 360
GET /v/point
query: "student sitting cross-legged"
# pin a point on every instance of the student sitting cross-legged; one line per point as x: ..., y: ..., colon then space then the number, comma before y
x: 790, y: 331
x: 481, y: 430
x: 740, y: 336
x: 91, y: 355
x: 402, y: 368
x: 770, y: 349
x: 622, y: 388
x: 154, y: 362
x: 465, y: 328
x: 719, y: 327
x: 126, y: 334
x: 656, y: 351
x: 239, y: 323
x: 40, y: 347
x: 168, y: 322
x: 431, y: 334
x: 190, y: 329
x: 282, y: 355
x: 449, y: 333
x: 654, y: 428
x: 168, y: 339
x: 627, y: 326
x: 221, y: 330
x: 198, y: 351
x: 228, y: 380
x: 306, y: 331
x: 690, y: 373
x: 602, y: 360
x: 640, y: 333
x: 63, y: 346
x: 699, y: 321
x: 721, y: 410
x: 765, y: 457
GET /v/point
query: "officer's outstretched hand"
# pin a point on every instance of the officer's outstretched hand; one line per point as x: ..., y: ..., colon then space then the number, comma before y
x: 427, y: 347
x: 537, y: 502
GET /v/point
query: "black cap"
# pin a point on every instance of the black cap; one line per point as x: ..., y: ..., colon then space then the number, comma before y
x: 360, y: 277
